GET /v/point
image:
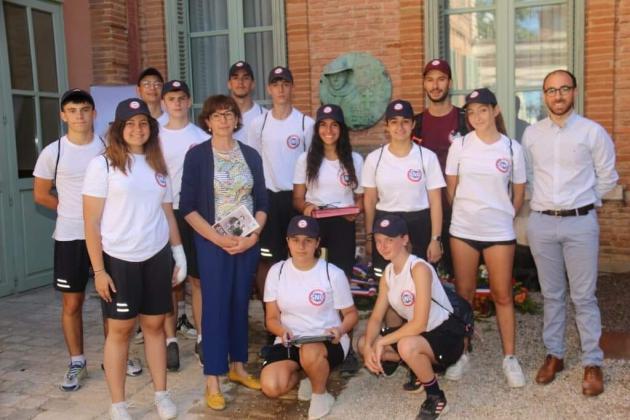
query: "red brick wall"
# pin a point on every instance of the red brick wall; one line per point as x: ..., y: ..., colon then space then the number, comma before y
x: 606, y: 89
x: 320, y: 30
x: 112, y: 43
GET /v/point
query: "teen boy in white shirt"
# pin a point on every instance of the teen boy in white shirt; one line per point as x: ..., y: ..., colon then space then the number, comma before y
x: 62, y: 165
x: 241, y: 84
x: 280, y: 135
x: 176, y: 138
x: 150, y: 82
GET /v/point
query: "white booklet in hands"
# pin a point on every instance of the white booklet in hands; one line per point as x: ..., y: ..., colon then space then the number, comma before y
x: 239, y: 222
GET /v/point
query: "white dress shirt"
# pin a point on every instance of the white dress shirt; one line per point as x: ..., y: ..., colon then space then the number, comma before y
x: 571, y: 166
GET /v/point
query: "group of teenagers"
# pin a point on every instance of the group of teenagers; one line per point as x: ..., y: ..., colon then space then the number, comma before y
x: 136, y: 211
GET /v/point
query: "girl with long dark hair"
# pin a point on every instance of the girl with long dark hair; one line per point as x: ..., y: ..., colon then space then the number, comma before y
x: 328, y: 176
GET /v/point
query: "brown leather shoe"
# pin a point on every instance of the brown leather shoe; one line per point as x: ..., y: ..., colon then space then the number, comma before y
x: 593, y: 383
x: 548, y: 370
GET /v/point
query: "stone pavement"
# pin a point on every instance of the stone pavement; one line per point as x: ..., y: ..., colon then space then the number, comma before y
x: 33, y: 360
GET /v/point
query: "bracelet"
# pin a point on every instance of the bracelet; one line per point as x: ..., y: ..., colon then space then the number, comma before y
x: 96, y: 271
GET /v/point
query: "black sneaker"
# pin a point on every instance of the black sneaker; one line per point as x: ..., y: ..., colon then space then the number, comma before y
x: 185, y: 328
x: 199, y: 352
x: 350, y: 364
x: 389, y: 368
x: 172, y: 357
x: 413, y: 384
x: 432, y: 407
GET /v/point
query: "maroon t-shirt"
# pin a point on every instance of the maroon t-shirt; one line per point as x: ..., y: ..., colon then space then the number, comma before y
x: 437, y: 133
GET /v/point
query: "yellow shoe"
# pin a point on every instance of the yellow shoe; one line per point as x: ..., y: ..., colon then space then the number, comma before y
x: 249, y: 381
x: 216, y: 401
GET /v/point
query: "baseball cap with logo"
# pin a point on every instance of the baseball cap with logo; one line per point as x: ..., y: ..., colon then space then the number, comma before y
x: 438, y: 64
x: 303, y: 225
x: 175, y: 86
x: 130, y: 108
x: 280, y: 73
x: 241, y: 65
x: 399, y: 108
x: 481, y: 96
x: 331, y: 111
x: 390, y: 225
x: 76, y: 95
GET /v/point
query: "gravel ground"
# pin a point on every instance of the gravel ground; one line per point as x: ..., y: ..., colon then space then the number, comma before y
x: 483, y: 392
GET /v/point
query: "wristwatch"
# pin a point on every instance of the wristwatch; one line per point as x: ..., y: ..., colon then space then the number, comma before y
x: 437, y: 238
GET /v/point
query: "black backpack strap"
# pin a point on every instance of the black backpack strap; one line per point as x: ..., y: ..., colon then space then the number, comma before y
x: 280, y: 271
x: 304, y: 136
x: 462, y: 125
x: 106, y: 162
x: 416, y: 134
x: 263, y: 126
x: 378, y: 162
x: 328, y: 274
x: 57, y: 160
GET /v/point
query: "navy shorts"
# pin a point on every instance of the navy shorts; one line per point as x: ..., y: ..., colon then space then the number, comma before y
x: 479, y: 246
x: 446, y: 345
x: 273, y: 238
x: 187, y: 233
x: 72, y: 266
x: 141, y: 287
x: 279, y: 353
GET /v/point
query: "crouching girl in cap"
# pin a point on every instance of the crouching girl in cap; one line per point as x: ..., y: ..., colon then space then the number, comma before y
x: 432, y: 336
x: 304, y: 295
x: 129, y: 221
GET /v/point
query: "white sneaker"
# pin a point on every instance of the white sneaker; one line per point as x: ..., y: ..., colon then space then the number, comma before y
x: 456, y: 372
x: 119, y: 412
x: 166, y: 408
x: 321, y: 404
x: 134, y: 367
x: 305, y: 390
x: 139, y: 337
x: 513, y: 372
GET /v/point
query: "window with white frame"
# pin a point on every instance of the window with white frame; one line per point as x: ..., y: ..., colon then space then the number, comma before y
x: 508, y: 46
x: 206, y: 36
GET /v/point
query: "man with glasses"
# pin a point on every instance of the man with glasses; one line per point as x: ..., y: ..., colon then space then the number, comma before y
x: 149, y: 89
x: 571, y: 166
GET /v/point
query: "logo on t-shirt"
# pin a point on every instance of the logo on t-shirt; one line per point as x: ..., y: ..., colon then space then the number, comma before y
x: 344, y: 178
x: 317, y: 297
x: 407, y: 298
x: 503, y: 165
x: 161, y: 180
x: 293, y: 141
x: 414, y: 175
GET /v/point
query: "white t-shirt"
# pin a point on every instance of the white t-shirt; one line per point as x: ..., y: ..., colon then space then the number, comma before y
x: 402, y: 182
x: 332, y: 186
x: 401, y: 293
x: 133, y: 226
x: 248, y: 117
x: 73, y: 162
x: 175, y: 144
x: 482, y: 209
x: 309, y: 301
x: 280, y: 143
x: 163, y: 119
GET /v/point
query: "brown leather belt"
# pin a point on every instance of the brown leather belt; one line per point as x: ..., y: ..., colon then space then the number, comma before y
x: 572, y: 212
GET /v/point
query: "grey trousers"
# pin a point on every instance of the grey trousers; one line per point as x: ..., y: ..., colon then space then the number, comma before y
x: 561, y: 246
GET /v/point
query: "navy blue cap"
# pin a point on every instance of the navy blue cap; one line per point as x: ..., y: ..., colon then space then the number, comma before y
x: 175, y: 86
x: 130, y: 108
x: 241, y: 65
x: 390, y: 225
x: 280, y: 73
x: 150, y: 71
x: 331, y: 111
x: 399, y: 108
x: 76, y: 95
x: 481, y: 96
x: 303, y: 225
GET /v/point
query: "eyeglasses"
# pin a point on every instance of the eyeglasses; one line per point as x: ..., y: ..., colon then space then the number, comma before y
x: 227, y: 115
x: 562, y: 89
x: 147, y: 84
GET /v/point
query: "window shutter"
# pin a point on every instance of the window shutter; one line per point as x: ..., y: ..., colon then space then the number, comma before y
x: 177, y: 40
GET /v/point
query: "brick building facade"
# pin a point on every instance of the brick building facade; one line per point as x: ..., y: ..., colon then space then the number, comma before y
x: 126, y: 36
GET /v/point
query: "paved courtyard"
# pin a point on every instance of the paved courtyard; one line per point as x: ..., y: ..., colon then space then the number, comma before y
x: 33, y: 360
